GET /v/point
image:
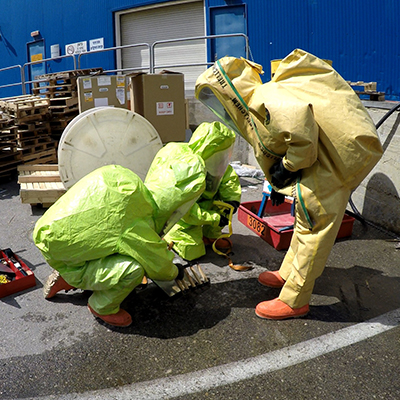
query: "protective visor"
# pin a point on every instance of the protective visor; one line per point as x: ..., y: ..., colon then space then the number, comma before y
x: 216, y: 166
x: 210, y: 100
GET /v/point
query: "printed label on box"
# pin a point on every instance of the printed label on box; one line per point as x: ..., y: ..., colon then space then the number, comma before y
x: 104, y: 81
x: 165, y: 108
x: 101, y: 102
x: 88, y: 96
x: 120, y: 94
x: 87, y: 83
x: 121, y: 81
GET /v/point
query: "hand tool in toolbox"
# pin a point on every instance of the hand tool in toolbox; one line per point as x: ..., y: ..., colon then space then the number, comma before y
x: 6, y: 273
x: 15, y: 275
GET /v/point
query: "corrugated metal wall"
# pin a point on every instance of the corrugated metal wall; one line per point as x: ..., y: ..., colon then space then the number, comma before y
x: 361, y: 37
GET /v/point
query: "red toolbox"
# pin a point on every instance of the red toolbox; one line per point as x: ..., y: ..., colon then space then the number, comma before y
x: 21, y: 276
x: 276, y: 224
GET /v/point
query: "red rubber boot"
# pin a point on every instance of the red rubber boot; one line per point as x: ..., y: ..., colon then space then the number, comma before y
x: 122, y: 318
x: 55, y: 283
x: 277, y: 309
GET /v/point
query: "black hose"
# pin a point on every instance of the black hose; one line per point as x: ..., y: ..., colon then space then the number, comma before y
x: 387, y: 115
x: 356, y: 214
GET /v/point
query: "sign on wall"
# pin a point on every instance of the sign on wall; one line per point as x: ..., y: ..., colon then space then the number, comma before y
x: 96, y: 44
x: 76, y: 48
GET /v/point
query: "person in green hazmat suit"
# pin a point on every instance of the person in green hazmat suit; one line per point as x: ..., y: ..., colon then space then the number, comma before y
x: 105, y: 233
x: 203, y: 224
x: 314, y: 141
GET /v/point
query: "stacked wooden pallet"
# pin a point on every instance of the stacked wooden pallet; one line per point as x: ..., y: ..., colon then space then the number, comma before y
x: 40, y: 184
x: 9, y: 154
x: 367, y: 89
x: 61, y: 90
x: 25, y: 137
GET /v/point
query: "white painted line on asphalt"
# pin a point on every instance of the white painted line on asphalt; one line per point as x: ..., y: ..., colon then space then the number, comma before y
x: 180, y: 385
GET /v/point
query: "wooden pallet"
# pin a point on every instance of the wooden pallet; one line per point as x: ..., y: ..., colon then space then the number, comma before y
x: 64, y: 102
x: 60, y: 84
x: 5, y: 122
x: 32, y: 131
x: 42, y: 156
x: 59, y: 124
x: 40, y: 184
x: 9, y: 134
x: 58, y: 76
x: 32, y: 142
x: 368, y: 89
x: 59, y: 111
x: 10, y: 158
x: 25, y: 108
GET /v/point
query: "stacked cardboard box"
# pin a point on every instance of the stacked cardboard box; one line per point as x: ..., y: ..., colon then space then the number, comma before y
x: 160, y: 98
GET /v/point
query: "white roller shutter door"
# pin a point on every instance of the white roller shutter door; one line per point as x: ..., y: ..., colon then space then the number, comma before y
x: 165, y: 22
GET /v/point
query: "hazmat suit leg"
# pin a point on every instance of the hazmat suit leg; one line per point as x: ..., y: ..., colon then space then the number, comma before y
x: 309, y: 249
x: 110, y: 278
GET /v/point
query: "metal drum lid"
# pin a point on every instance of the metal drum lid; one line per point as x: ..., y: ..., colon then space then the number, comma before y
x: 103, y: 136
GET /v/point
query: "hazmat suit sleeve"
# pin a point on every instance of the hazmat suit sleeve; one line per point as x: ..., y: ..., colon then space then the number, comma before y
x: 230, y: 189
x: 293, y: 130
x: 143, y: 244
x: 200, y: 214
x: 302, y: 142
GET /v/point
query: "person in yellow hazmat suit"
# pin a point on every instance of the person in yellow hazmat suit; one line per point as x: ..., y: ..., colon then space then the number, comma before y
x: 313, y: 139
x: 203, y: 224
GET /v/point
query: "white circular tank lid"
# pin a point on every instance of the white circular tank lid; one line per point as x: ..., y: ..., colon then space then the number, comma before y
x: 103, y: 136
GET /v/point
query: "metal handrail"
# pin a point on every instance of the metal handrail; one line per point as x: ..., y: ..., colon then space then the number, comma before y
x: 17, y: 83
x: 152, y: 51
x: 152, y: 67
x: 119, y: 48
x: 25, y: 82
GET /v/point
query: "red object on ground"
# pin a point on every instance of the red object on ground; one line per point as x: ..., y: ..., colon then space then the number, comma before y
x: 275, y: 226
x: 22, y: 280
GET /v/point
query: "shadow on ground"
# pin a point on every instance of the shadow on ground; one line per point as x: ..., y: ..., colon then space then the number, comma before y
x: 361, y: 293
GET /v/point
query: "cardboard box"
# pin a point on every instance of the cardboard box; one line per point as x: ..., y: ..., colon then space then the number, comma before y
x: 103, y: 90
x: 160, y: 98
x: 276, y: 224
x: 24, y: 277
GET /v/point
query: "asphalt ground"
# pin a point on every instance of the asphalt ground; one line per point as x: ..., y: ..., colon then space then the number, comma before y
x: 208, y: 344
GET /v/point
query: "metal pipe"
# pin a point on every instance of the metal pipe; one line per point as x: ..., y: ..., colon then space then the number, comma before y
x: 24, y: 83
x: 13, y: 84
x: 152, y: 50
x: 114, y: 48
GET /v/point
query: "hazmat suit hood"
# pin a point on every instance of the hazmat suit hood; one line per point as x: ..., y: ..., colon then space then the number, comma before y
x: 227, y: 87
x: 214, y: 143
x: 305, y: 108
x: 176, y: 179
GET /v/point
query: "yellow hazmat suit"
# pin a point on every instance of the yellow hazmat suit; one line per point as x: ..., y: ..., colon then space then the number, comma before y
x: 311, y: 120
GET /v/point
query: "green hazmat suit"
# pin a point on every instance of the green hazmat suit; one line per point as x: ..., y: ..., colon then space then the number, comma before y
x: 213, y: 142
x: 311, y: 120
x: 103, y: 234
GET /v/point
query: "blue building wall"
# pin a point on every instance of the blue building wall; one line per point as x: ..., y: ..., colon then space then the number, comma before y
x: 361, y: 37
